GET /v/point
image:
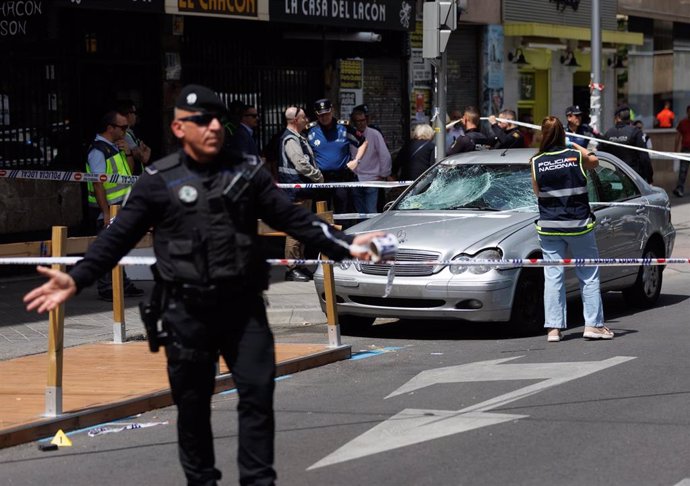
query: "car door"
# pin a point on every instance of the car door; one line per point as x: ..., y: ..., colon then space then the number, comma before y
x: 620, y: 221
x: 622, y: 217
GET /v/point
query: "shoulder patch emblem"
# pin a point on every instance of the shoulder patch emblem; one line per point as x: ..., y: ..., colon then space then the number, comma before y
x: 516, y: 135
x: 188, y: 194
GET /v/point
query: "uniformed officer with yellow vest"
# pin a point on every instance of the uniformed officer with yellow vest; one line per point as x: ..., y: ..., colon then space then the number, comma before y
x: 565, y: 224
x: 106, y: 157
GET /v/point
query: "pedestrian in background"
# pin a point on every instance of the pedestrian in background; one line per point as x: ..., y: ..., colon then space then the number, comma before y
x: 665, y: 117
x: 297, y: 166
x: 140, y: 153
x: 417, y: 155
x: 565, y: 227
x: 683, y: 145
x: 453, y: 128
x: 331, y: 139
x: 203, y: 205
x: 243, y: 139
x: 374, y: 165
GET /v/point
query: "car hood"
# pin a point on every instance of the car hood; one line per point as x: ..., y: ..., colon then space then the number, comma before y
x: 443, y: 231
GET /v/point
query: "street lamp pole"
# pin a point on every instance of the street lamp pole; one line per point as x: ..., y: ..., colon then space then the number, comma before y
x: 595, y: 86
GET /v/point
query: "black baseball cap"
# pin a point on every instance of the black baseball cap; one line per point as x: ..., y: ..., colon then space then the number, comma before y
x: 322, y: 106
x: 623, y: 111
x: 195, y: 97
x: 573, y: 110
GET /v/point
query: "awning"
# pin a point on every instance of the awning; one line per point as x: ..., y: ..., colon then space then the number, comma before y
x: 570, y: 32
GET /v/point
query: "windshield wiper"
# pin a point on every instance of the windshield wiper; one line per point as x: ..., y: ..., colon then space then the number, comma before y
x: 476, y: 208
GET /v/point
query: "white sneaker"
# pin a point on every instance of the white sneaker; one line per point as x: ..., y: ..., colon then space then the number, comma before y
x: 597, y: 333
x: 554, y: 335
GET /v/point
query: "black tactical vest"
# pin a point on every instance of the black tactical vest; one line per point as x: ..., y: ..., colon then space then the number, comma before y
x: 211, y: 235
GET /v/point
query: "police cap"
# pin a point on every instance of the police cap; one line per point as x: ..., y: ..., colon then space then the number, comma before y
x: 322, y: 106
x: 194, y: 97
x: 573, y: 110
x: 363, y: 108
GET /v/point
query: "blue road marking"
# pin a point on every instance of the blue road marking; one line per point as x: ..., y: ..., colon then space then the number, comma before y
x: 375, y: 352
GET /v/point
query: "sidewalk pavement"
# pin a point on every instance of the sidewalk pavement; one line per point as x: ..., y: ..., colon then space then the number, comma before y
x: 89, y: 319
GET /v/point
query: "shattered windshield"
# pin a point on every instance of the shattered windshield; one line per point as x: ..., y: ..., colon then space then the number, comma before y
x: 491, y: 187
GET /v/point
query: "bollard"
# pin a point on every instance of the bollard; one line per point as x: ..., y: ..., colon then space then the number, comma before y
x: 329, y: 292
x: 56, y: 327
x: 119, y: 327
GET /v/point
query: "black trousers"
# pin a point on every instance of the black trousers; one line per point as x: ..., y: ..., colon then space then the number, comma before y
x: 104, y: 284
x: 239, y: 331
x: 341, y: 200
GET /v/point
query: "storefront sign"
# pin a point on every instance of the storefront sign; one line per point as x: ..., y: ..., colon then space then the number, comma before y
x: 22, y: 18
x: 562, y: 4
x: 360, y: 14
x: 234, y: 8
x: 351, y: 89
x: 121, y: 5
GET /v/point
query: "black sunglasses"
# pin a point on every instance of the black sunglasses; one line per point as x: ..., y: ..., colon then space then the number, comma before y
x: 124, y: 128
x: 204, y: 119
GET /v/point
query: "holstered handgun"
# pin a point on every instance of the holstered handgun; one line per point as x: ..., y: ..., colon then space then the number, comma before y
x: 151, y: 314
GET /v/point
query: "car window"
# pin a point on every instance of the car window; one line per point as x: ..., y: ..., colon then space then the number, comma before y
x: 613, y: 184
x: 496, y: 187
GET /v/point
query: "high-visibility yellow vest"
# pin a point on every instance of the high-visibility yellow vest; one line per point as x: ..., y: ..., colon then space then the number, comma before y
x: 115, y: 163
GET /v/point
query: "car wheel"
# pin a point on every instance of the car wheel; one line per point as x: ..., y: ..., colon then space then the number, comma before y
x: 528, y: 303
x: 647, y: 288
x: 355, y: 323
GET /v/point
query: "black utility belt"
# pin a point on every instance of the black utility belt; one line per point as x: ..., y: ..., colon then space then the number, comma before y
x: 211, y: 294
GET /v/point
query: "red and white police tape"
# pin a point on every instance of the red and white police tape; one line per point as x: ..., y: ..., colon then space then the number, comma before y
x: 502, y: 264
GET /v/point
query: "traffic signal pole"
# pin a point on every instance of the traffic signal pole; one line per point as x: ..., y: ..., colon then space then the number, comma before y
x: 439, y: 20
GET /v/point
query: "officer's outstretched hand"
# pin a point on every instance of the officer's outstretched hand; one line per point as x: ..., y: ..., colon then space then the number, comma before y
x: 360, y: 248
x: 51, y: 294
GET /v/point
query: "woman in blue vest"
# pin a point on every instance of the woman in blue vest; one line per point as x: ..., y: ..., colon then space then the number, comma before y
x: 565, y: 224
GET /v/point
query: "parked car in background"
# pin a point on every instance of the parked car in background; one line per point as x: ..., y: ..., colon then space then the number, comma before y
x: 480, y: 205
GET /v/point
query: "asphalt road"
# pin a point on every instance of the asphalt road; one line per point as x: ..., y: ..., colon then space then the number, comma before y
x: 413, y: 407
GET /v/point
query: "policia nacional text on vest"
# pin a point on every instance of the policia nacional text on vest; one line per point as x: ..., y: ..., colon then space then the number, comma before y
x: 563, y: 201
x: 115, y: 163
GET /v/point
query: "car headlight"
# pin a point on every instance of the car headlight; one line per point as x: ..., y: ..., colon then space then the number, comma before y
x: 490, y: 254
x: 345, y: 264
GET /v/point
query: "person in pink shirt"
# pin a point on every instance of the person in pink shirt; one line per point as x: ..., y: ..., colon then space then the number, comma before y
x: 375, y: 164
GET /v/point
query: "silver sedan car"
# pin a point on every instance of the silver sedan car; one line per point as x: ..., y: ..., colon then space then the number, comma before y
x: 480, y: 205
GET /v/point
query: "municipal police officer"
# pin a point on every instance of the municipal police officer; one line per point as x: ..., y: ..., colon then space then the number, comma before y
x: 331, y: 139
x: 625, y: 133
x: 203, y: 205
x: 507, y: 135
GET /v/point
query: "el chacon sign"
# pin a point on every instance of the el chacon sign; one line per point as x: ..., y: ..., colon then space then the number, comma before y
x: 242, y: 8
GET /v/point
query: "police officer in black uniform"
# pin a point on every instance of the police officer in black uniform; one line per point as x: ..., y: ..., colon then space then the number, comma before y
x: 203, y: 205
x: 473, y: 139
x: 625, y: 133
x: 507, y: 135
